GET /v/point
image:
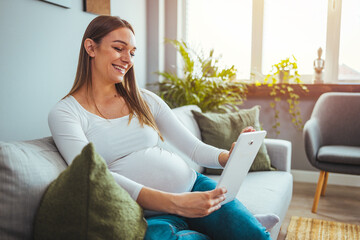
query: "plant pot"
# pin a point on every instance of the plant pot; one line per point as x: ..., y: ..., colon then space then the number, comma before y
x: 284, y: 76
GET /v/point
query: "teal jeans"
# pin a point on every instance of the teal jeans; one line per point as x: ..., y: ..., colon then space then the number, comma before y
x: 231, y: 221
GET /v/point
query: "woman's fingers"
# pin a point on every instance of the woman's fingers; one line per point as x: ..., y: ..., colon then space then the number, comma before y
x: 200, y: 204
x: 218, y: 191
x: 248, y: 129
x: 213, y: 209
x: 218, y: 200
x: 218, y: 195
x: 232, y: 148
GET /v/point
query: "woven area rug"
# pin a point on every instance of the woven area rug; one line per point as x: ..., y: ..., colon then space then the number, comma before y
x: 301, y: 228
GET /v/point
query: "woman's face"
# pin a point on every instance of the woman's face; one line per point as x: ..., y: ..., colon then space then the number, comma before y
x: 113, y: 56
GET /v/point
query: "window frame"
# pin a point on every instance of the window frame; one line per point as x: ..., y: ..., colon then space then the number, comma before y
x: 332, y: 41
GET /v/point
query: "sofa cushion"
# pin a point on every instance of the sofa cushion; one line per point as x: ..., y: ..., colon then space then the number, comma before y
x: 187, y: 119
x: 222, y: 129
x: 26, y: 170
x: 266, y: 192
x: 339, y: 154
x: 85, y: 202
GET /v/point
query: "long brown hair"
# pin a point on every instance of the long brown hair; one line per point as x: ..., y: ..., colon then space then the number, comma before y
x: 98, y: 28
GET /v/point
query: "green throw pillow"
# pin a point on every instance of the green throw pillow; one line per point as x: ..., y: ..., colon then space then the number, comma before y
x: 222, y: 129
x: 85, y: 202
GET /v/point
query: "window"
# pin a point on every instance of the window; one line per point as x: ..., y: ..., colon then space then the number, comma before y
x: 349, y: 64
x: 293, y: 27
x: 280, y: 29
x: 224, y: 26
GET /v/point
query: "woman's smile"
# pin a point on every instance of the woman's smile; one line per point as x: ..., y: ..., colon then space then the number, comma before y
x: 121, y: 68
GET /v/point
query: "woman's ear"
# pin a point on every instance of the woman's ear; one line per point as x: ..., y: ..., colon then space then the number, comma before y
x: 89, y: 46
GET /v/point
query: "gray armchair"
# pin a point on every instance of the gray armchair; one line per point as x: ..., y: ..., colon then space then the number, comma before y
x: 332, y: 137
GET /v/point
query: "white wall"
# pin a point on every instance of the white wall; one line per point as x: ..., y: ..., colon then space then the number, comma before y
x: 134, y: 12
x: 39, y: 49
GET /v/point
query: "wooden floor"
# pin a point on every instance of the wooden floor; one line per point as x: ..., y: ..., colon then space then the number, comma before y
x: 340, y: 203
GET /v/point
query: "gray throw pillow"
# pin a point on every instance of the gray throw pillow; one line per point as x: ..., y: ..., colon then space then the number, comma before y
x: 26, y: 170
x: 222, y: 129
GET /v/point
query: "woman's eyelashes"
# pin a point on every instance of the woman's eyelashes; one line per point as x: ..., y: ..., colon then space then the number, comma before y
x: 121, y: 49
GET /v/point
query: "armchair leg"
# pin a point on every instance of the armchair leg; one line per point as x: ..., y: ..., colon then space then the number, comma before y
x: 325, y: 183
x: 318, y: 191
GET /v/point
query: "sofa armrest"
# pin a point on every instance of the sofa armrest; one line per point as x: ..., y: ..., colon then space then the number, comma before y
x: 280, y: 153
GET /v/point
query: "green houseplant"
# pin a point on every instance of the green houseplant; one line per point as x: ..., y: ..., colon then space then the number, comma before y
x: 280, y: 80
x: 204, y: 83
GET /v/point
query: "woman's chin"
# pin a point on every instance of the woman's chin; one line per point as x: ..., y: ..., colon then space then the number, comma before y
x: 118, y: 79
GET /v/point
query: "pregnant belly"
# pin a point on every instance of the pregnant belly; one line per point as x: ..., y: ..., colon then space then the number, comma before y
x: 156, y: 168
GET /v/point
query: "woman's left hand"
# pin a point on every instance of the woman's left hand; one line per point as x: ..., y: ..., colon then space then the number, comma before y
x: 224, y: 156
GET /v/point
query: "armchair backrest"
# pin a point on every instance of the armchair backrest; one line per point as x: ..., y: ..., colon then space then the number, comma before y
x: 338, y: 117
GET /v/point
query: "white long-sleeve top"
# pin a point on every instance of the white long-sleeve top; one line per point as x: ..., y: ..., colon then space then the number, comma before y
x: 133, y: 153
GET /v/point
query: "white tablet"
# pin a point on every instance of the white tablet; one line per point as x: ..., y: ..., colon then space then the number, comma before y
x: 239, y: 163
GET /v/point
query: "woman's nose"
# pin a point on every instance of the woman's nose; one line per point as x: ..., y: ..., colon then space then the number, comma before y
x: 126, y: 57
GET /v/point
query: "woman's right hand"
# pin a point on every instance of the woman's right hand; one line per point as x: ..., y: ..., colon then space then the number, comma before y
x: 189, y: 204
x: 198, y: 204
